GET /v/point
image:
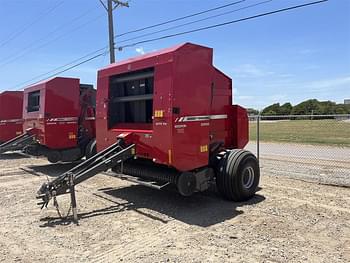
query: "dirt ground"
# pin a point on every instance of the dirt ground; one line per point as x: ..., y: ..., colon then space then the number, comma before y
x: 287, y: 221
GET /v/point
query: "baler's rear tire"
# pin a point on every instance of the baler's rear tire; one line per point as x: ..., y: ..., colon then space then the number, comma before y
x: 54, y: 156
x: 238, y: 175
x: 91, y: 149
x: 186, y: 183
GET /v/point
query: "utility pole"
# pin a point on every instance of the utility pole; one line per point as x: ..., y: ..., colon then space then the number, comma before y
x: 109, y: 8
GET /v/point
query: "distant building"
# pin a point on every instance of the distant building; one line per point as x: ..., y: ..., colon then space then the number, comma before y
x: 347, y: 101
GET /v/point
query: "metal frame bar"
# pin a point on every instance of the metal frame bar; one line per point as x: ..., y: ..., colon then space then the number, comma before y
x: 133, y: 98
x: 17, y: 143
x: 132, y: 77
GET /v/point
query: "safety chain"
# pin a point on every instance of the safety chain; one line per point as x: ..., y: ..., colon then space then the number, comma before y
x: 55, y: 203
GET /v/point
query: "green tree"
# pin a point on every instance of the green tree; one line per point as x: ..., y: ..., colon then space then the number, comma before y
x: 307, y: 107
x: 273, y: 109
x: 286, y: 109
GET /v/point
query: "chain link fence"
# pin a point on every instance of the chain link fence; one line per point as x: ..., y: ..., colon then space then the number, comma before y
x: 307, y: 147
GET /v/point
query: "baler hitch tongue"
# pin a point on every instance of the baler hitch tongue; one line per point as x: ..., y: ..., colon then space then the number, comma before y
x: 18, y: 143
x: 98, y: 163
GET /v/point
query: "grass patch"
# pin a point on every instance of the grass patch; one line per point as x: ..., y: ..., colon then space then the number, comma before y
x: 326, y: 132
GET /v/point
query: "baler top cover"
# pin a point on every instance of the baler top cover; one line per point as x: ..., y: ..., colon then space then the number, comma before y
x: 174, y: 104
x: 53, y: 108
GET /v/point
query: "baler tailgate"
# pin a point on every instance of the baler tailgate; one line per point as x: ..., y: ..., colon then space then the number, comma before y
x: 18, y: 143
x: 102, y: 161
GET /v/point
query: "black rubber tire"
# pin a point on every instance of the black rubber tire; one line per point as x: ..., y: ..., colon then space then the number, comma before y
x: 238, y: 175
x: 90, y: 149
x: 186, y: 184
x: 31, y: 150
x: 54, y: 156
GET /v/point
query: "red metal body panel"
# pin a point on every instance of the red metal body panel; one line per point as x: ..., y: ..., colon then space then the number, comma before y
x: 56, y: 120
x: 240, y: 121
x: 184, y: 79
x: 11, y: 122
x: 87, y: 99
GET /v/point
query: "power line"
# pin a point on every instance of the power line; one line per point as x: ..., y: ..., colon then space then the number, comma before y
x: 123, y: 34
x: 180, y: 18
x: 190, y: 31
x: 49, y: 42
x: 126, y: 33
x: 28, y: 46
x: 196, y: 21
x: 71, y: 67
x: 222, y: 24
x: 65, y: 65
x: 74, y: 66
x: 25, y: 28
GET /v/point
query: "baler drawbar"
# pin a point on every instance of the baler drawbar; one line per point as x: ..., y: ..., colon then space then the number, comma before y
x: 102, y: 161
x: 18, y: 143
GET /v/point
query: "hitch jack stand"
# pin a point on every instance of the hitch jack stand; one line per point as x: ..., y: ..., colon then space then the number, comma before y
x: 73, y: 199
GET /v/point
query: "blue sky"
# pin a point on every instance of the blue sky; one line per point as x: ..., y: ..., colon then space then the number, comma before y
x: 290, y: 56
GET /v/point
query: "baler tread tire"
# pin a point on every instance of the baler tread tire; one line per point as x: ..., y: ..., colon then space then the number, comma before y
x: 54, y: 156
x: 229, y: 175
x: 231, y: 159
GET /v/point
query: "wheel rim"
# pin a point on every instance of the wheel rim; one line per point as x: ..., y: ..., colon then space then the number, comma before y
x: 248, y: 177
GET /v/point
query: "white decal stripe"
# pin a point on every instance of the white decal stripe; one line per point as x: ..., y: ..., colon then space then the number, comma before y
x: 203, y: 118
x: 15, y: 120
x: 62, y: 119
x: 218, y: 117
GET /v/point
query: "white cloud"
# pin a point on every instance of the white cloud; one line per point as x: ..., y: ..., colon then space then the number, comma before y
x: 245, y: 97
x: 328, y: 84
x: 250, y: 71
x: 140, y: 50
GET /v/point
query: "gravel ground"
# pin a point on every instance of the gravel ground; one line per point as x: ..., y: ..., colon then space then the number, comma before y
x: 287, y: 221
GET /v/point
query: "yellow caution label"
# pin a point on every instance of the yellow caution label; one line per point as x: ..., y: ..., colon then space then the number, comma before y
x: 203, y: 148
x: 71, y: 136
x: 159, y: 113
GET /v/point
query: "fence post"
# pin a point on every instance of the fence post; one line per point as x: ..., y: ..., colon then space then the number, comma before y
x: 258, y: 137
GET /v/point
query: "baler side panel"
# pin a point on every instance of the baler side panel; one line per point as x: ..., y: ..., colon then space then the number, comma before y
x: 191, y: 88
x: 62, y: 110
x: 56, y: 121
x: 148, y: 144
x: 89, y: 98
x: 11, y: 122
x: 161, y: 144
x: 221, y: 129
x: 103, y: 136
x: 241, y: 126
x: 11, y: 103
